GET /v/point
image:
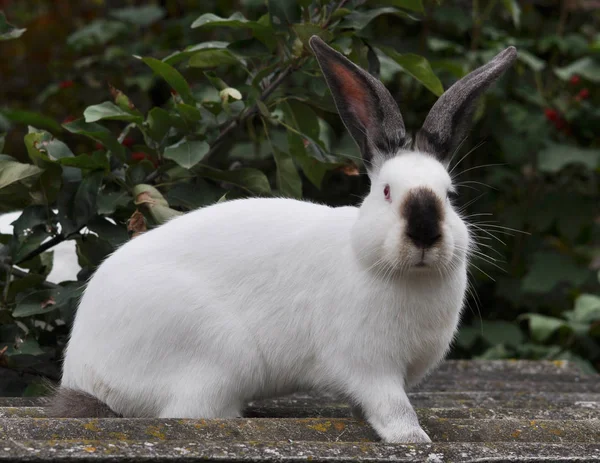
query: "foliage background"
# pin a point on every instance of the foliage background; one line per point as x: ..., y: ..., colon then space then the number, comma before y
x: 120, y: 114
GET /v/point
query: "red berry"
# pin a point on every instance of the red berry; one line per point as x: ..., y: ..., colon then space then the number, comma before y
x: 66, y: 84
x: 174, y: 92
x: 99, y: 146
x: 68, y: 119
x: 138, y: 156
x: 583, y: 94
x: 551, y: 114
x: 574, y: 80
x: 128, y: 141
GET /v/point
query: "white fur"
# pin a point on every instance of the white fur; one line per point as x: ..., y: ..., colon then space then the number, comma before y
x: 261, y: 297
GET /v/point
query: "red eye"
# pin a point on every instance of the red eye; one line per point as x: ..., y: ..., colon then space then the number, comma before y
x: 386, y: 193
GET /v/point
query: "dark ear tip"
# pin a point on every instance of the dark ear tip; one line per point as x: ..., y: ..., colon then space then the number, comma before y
x: 509, y: 54
x: 316, y: 43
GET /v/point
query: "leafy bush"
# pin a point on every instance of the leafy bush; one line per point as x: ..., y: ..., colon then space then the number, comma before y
x: 167, y: 108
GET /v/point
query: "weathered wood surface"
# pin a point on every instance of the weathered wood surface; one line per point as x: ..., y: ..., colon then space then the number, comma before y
x: 473, y: 411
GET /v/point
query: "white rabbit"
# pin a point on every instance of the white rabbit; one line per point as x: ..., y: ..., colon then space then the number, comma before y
x: 261, y: 297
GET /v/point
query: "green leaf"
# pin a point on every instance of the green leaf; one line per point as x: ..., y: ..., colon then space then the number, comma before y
x: 413, y: 5
x: 139, y: 15
x: 533, y: 62
x: 28, y: 244
x: 193, y: 195
x: 20, y: 116
x: 249, y: 179
x: 148, y: 195
x: 587, y: 67
x: 35, y: 143
x: 13, y: 172
x: 28, y: 347
x: 306, y: 31
x: 110, y: 111
x: 44, y: 149
x: 97, y: 133
x: 289, y: 182
x: 7, y: 30
x: 30, y: 218
x: 501, y: 332
x: 115, y: 234
x: 98, y: 160
x: 313, y: 168
x: 212, y: 58
x: 36, y: 303
x: 587, y: 308
x: 260, y: 30
x: 550, y: 269
x: 283, y: 13
x: 467, y: 335
x: 249, y: 48
x: 418, y: 67
x: 556, y: 156
x: 303, y: 118
x: 513, y: 7
x: 160, y: 121
x: 57, y: 150
x: 262, y: 109
x: 187, y: 153
x: 173, y: 77
x: 154, y: 202
x: 359, y: 19
x: 178, y: 56
x: 98, y: 32
x: 77, y: 202
x: 235, y: 21
x: 92, y: 251
x: 543, y: 327
x: 108, y: 202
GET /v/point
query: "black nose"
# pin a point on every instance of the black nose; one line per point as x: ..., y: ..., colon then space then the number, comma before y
x: 424, y: 241
x: 423, y: 212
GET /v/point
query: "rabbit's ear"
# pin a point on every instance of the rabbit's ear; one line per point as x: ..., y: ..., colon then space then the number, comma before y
x: 450, y: 118
x: 366, y: 107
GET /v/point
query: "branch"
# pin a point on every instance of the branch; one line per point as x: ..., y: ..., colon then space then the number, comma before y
x: 229, y: 128
x: 43, y: 247
x: 21, y: 274
x: 339, y: 5
x: 254, y: 109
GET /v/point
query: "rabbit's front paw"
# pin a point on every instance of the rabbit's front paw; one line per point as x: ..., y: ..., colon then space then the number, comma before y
x: 406, y: 435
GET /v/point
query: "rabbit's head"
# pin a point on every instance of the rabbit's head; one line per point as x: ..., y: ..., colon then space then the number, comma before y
x: 407, y: 222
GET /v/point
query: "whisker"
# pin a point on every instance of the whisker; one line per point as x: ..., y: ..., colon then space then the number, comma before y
x: 470, y: 151
x: 478, y: 183
x: 478, y: 167
x: 486, y: 232
x: 491, y: 225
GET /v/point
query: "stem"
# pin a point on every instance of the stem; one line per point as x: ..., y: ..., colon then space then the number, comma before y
x: 253, y: 110
x: 44, y: 247
x: 231, y: 126
x: 339, y: 5
x: 21, y: 274
x: 9, y: 272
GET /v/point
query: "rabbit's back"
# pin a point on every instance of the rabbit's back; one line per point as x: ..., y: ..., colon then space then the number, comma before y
x: 220, y: 289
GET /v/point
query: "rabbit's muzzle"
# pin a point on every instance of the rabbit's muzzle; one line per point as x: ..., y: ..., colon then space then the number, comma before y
x: 424, y: 212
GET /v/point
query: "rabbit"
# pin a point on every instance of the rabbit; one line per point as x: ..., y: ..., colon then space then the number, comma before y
x: 262, y: 297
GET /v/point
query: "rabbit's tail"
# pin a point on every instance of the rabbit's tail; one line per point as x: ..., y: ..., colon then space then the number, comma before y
x: 70, y: 403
